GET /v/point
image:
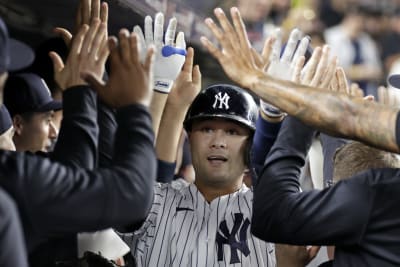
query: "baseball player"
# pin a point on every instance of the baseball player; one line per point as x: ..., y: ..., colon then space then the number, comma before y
x: 207, y: 223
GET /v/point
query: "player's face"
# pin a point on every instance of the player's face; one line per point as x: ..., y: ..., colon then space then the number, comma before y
x: 36, y: 133
x: 218, y: 148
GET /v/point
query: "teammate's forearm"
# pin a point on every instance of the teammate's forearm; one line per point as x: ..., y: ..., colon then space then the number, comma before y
x: 332, y: 113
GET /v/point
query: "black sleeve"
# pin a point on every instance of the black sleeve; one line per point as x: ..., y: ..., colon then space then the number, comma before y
x: 165, y: 171
x: 107, y: 127
x: 329, y: 146
x: 58, y: 199
x: 283, y: 214
x: 13, y: 251
x: 77, y: 140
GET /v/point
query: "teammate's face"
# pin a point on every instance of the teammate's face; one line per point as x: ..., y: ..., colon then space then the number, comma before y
x: 36, y: 133
x: 218, y: 148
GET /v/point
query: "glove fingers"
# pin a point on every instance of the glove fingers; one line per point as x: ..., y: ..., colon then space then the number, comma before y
x: 291, y: 46
x: 170, y: 33
x: 301, y: 49
x: 158, y: 30
x: 276, y: 48
x: 180, y: 41
x: 148, y: 30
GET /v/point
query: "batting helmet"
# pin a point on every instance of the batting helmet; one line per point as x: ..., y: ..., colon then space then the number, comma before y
x: 223, y: 101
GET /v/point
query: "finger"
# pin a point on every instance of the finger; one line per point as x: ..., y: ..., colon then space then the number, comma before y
x: 342, y: 81
x: 219, y: 35
x: 58, y: 64
x: 139, y: 34
x: 267, y: 50
x: 180, y: 41
x: 78, y: 40
x: 276, y: 48
x: 148, y: 30
x: 85, y: 15
x: 301, y: 48
x: 124, y: 47
x: 188, y: 64
x: 104, y: 13
x: 170, y: 33
x: 329, y: 74
x: 64, y: 34
x: 95, y: 10
x: 321, y: 67
x: 104, y: 52
x: 291, y: 46
x: 98, y: 41
x: 334, y: 86
x: 212, y: 49
x: 241, y: 32
x: 112, y: 44
x: 257, y: 59
x: 196, y: 75
x: 87, y: 41
x: 356, y: 91
x: 370, y: 98
x: 297, y: 69
x: 383, y: 95
x: 134, y: 49
x: 159, y: 30
x: 226, y: 26
x: 149, y: 61
x: 311, y: 66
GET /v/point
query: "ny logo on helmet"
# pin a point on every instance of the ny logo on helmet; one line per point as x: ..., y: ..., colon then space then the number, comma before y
x: 221, y: 101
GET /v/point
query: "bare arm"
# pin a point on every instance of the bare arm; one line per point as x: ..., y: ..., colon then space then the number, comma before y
x: 334, y: 113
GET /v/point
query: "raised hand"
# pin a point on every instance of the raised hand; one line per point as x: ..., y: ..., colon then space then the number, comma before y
x: 130, y: 80
x: 169, y: 56
x: 88, y: 53
x: 88, y: 11
x: 187, y: 85
x: 284, y: 67
x: 235, y: 54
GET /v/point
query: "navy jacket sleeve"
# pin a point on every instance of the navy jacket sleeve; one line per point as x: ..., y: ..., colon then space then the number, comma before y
x: 56, y: 199
x: 165, y: 171
x: 283, y: 214
x: 107, y: 127
x: 264, y: 137
x: 77, y: 140
x: 13, y: 251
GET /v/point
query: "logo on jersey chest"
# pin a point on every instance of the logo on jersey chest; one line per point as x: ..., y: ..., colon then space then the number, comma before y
x: 221, y: 101
x: 226, y: 237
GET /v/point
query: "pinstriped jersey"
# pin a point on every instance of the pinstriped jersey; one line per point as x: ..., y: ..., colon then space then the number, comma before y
x: 183, y: 229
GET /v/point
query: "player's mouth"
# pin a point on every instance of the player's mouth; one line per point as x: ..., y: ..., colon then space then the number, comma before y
x: 217, y: 159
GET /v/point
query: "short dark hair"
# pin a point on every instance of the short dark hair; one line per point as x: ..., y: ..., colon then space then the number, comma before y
x: 355, y: 157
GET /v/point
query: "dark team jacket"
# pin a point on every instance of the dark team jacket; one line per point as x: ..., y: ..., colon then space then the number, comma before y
x: 56, y: 196
x: 359, y: 215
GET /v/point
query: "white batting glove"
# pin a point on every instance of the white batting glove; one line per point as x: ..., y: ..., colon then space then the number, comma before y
x: 169, y: 57
x: 282, y: 67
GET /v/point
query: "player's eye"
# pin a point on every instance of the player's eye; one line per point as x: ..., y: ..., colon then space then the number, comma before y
x: 232, y: 132
x: 206, y: 129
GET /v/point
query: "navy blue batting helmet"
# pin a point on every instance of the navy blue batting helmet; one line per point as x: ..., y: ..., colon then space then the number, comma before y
x: 223, y: 101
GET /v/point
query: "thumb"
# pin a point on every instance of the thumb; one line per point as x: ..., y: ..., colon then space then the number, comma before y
x: 65, y: 35
x: 94, y: 82
x: 58, y: 64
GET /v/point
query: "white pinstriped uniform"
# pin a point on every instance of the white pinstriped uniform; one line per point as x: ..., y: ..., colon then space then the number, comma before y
x: 181, y: 230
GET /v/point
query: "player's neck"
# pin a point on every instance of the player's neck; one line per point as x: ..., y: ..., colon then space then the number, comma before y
x: 213, y: 191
